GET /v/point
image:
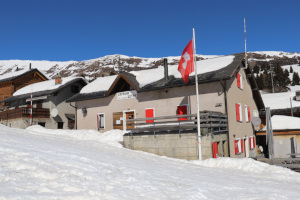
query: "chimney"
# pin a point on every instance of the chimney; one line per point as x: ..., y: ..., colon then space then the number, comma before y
x: 57, y: 79
x: 166, y: 69
x: 297, y: 95
x: 17, y: 69
x: 29, y: 66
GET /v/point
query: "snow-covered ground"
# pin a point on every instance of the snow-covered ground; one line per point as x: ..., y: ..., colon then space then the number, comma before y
x: 281, y: 100
x: 57, y: 164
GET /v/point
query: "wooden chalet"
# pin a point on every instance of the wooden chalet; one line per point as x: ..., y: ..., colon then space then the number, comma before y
x: 10, y: 83
x: 49, y: 108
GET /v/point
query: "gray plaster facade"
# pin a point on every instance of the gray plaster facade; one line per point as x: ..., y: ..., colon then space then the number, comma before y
x: 219, y: 96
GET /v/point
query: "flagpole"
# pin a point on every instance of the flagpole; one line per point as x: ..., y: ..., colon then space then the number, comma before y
x: 197, y: 97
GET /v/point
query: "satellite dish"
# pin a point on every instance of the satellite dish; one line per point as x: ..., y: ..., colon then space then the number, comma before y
x: 54, y: 112
x: 256, y: 121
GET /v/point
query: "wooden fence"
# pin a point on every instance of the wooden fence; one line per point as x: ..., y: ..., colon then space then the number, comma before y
x: 25, y: 112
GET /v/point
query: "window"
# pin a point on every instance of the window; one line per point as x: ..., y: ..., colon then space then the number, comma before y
x: 60, y: 125
x: 182, y: 110
x: 239, y: 146
x: 100, y: 121
x: 252, y: 142
x: 238, y: 109
x: 247, y: 114
x: 43, y: 124
x: 239, y: 79
x: 149, y: 113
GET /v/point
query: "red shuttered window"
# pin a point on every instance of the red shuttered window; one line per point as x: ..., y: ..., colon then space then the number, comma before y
x: 182, y: 110
x: 238, y: 79
x: 238, y: 112
x: 249, y: 116
x: 149, y: 114
x: 242, y: 145
x: 236, y: 146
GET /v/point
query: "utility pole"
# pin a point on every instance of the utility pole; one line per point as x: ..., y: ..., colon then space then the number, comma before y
x: 271, y: 69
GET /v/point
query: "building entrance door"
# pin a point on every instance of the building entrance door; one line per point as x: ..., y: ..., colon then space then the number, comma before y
x: 129, y: 115
x: 118, y: 120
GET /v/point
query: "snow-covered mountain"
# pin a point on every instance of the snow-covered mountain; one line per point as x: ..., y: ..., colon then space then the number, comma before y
x: 113, y: 63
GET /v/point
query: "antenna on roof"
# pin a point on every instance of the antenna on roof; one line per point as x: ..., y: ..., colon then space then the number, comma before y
x: 246, y: 64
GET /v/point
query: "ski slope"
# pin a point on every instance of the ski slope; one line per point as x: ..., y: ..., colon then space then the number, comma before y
x: 38, y: 163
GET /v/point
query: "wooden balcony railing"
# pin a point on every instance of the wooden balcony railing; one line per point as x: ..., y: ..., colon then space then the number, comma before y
x: 212, y: 121
x: 25, y: 112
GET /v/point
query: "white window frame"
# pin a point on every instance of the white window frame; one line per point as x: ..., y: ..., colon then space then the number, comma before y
x: 240, y: 111
x: 246, y: 114
x: 98, y: 118
x: 239, y: 146
x: 251, y: 138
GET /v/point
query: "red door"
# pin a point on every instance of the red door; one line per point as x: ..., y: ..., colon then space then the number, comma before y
x: 215, y: 150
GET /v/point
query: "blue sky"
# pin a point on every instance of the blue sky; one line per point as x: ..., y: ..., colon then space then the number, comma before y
x: 64, y: 30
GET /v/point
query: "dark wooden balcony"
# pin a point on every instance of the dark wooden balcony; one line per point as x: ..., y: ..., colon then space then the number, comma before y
x: 25, y: 112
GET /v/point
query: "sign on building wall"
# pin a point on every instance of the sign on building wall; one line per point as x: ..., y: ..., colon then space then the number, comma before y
x: 127, y: 95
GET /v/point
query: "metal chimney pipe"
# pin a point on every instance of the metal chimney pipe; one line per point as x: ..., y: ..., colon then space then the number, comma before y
x: 29, y: 66
x: 166, y: 69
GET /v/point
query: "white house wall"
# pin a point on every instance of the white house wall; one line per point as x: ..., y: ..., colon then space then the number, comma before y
x: 164, y: 101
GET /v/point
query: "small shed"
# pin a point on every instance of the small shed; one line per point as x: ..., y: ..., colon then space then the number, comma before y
x: 286, y: 133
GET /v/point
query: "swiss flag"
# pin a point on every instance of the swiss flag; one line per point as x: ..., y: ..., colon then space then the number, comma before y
x: 186, y: 64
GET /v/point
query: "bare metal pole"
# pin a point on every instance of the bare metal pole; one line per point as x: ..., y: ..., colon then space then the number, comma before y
x: 246, y: 59
x: 271, y: 69
x: 197, y: 97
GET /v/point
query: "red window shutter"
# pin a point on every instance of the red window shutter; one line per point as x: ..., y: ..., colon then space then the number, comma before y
x: 236, y: 146
x: 182, y: 110
x: 253, y: 139
x: 251, y: 142
x: 238, y: 78
x: 237, y: 108
x: 242, y: 145
x: 249, y: 116
x: 149, y: 114
x: 215, y: 150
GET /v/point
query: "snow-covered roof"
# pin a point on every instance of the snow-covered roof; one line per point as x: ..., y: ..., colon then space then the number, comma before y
x: 281, y: 100
x: 145, y: 77
x: 100, y: 84
x: 13, y: 75
x: 43, y: 86
x: 282, y: 122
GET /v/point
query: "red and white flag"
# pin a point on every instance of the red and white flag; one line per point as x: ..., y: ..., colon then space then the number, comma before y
x: 186, y: 64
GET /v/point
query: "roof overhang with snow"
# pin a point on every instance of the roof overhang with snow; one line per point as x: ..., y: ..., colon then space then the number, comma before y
x: 210, y: 70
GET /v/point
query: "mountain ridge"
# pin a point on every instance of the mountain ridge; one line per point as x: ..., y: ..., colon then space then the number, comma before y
x: 112, y: 64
